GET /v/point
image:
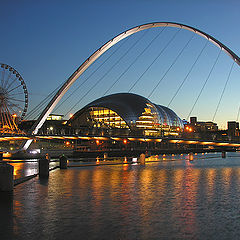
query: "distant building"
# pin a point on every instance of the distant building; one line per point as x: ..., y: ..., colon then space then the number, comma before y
x: 198, y: 126
x: 193, y: 120
x: 233, y: 129
x: 53, y: 125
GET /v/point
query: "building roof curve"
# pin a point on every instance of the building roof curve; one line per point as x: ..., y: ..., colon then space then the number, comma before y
x: 127, y: 105
x: 130, y: 107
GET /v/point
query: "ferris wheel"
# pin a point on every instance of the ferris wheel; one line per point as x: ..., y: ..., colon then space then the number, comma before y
x: 13, y: 99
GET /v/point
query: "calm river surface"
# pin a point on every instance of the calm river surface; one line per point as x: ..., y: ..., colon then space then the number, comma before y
x: 169, y: 199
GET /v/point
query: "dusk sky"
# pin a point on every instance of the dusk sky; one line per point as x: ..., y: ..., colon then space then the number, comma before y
x: 46, y: 41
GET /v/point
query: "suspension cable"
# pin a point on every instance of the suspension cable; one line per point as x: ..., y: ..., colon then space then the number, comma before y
x: 120, y: 45
x: 128, y: 50
x: 238, y: 113
x: 223, y: 91
x: 141, y: 53
x: 41, y: 104
x: 154, y: 60
x: 175, y: 60
x: 204, y: 84
x: 44, y: 101
x: 184, y: 80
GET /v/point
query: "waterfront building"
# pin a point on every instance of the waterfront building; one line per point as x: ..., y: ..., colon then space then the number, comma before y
x: 126, y: 114
x: 200, y: 126
x: 233, y: 129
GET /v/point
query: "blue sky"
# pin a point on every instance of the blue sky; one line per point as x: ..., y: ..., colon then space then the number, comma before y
x: 47, y: 40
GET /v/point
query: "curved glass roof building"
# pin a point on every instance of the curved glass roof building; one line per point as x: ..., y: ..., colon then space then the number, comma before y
x: 131, y: 113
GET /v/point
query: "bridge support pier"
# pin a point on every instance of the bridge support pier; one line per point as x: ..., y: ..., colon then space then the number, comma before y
x: 105, y: 156
x: 190, y: 156
x: 142, y: 159
x: 43, y: 167
x: 223, y: 154
x: 63, y: 162
x: 6, y: 177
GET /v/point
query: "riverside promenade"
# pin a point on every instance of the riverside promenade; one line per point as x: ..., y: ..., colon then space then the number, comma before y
x: 169, y: 199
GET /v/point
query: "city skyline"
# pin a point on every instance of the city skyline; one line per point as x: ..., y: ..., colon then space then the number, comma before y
x: 46, y: 45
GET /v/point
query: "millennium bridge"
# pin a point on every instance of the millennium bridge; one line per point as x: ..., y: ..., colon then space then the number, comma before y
x: 33, y: 133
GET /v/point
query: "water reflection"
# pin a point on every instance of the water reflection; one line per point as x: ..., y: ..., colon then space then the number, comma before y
x: 23, y: 168
x: 172, y: 199
x: 210, y: 180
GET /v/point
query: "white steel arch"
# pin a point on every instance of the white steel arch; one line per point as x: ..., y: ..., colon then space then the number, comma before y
x: 51, y: 105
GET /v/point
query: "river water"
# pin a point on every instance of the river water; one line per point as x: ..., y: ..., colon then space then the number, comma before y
x: 172, y: 198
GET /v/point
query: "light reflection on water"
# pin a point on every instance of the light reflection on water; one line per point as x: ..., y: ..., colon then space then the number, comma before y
x: 23, y: 168
x: 172, y: 199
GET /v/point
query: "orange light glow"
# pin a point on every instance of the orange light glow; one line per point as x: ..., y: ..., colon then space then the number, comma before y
x: 14, y: 115
x: 97, y: 142
x: 70, y: 115
x: 17, y: 169
x: 67, y: 143
x: 190, y: 129
x: 125, y: 141
x: 7, y: 155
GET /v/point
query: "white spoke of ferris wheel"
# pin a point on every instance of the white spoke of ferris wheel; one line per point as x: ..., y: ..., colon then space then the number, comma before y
x: 12, y: 82
x: 3, y: 76
x: 7, y: 79
x: 15, y: 108
x: 16, y: 100
x: 1, y: 113
x: 7, y: 117
x: 15, y: 94
x: 13, y: 104
x: 13, y: 89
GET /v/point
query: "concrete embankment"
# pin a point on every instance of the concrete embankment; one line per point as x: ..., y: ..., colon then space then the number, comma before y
x: 56, y: 153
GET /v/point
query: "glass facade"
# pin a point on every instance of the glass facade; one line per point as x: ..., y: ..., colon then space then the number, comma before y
x: 103, y: 117
x: 126, y: 111
x: 149, y: 121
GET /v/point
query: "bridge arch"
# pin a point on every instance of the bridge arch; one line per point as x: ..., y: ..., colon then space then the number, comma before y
x: 51, y: 105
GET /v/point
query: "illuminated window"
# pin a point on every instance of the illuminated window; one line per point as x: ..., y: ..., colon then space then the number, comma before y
x: 55, y: 117
x: 148, y: 121
x: 103, y: 117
